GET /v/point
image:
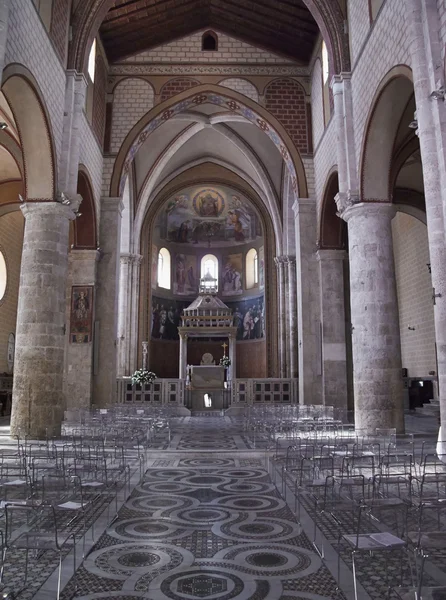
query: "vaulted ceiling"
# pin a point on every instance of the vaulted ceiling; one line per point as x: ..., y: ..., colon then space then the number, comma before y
x: 282, y: 26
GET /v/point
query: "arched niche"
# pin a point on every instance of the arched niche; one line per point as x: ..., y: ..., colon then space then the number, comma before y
x: 85, y: 227
x: 333, y: 230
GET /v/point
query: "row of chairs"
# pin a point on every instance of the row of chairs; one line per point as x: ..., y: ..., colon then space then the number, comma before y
x: 52, y: 492
x: 378, y: 492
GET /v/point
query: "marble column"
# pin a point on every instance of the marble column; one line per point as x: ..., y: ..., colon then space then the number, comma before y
x: 378, y: 384
x: 183, y: 356
x: 4, y: 18
x: 425, y: 50
x: 308, y: 305
x: 280, y: 266
x: 292, y: 311
x: 37, y: 406
x: 334, y: 355
x: 232, y: 371
x: 104, y: 383
x: 79, y: 357
x: 130, y: 265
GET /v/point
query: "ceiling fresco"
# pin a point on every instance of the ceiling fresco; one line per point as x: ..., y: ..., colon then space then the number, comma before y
x: 207, y: 216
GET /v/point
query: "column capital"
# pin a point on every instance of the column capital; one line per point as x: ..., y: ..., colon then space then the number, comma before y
x: 77, y: 77
x: 280, y: 261
x: 338, y: 80
x: 69, y: 211
x: 128, y: 258
x: 369, y: 209
x: 304, y: 205
x: 112, y: 204
x: 330, y: 254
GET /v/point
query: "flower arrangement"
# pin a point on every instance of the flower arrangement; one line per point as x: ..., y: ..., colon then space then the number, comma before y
x: 142, y: 377
x: 225, y: 361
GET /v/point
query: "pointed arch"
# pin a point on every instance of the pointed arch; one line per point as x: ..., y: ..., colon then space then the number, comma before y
x: 85, y: 226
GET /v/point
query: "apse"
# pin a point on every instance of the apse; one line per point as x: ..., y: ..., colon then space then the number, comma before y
x: 207, y: 231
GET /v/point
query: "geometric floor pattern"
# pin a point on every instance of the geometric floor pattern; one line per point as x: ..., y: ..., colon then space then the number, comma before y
x: 207, y: 528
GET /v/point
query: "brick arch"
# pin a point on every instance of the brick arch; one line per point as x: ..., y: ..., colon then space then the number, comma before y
x: 285, y: 99
x: 227, y: 99
x: 242, y: 86
x: 176, y: 86
x: 85, y: 226
x: 332, y: 233
x: 387, y: 108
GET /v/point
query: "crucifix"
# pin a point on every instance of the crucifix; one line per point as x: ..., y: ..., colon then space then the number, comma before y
x: 435, y: 296
x: 224, y: 346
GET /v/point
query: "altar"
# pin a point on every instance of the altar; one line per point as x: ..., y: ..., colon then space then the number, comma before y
x: 207, y: 377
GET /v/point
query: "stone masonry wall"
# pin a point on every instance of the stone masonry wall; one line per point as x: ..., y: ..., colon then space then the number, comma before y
x: 90, y: 156
x: 414, y: 289
x: 285, y: 99
x: 59, y: 26
x: 176, y: 86
x: 29, y: 44
x: 188, y: 50
x: 358, y: 26
x: 132, y: 99
x: 242, y: 86
x: 11, y: 241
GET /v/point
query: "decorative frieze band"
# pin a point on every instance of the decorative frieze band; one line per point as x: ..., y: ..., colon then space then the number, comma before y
x: 207, y: 69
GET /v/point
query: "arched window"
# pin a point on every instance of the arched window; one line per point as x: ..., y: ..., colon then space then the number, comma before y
x: 92, y: 61
x: 209, y: 41
x: 3, y: 276
x: 326, y: 83
x: 209, y: 273
x: 164, y: 268
x: 252, y: 269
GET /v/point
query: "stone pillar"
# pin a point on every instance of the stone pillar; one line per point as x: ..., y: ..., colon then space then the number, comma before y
x: 232, y: 371
x: 37, y: 406
x: 4, y: 17
x: 292, y: 311
x: 183, y: 356
x: 281, y: 316
x: 334, y: 355
x: 427, y: 66
x: 128, y: 313
x: 308, y: 306
x: 75, y: 93
x: 79, y: 357
x: 378, y: 384
x: 345, y: 133
x: 104, y: 384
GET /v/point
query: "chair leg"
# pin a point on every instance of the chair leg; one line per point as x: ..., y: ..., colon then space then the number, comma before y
x: 354, y: 576
x: 59, y: 575
x: 2, y: 571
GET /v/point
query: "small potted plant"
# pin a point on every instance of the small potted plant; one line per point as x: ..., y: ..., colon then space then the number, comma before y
x: 143, y: 377
x: 225, y: 362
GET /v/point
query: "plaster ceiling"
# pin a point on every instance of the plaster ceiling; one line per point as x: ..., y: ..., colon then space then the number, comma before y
x: 8, y: 167
x: 282, y: 26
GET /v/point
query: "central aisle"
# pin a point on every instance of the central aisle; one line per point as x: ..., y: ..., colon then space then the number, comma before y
x: 204, y: 524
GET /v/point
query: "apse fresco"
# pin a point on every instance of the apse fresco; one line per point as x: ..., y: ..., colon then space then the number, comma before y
x: 185, y: 275
x: 249, y: 318
x: 232, y: 275
x: 204, y: 216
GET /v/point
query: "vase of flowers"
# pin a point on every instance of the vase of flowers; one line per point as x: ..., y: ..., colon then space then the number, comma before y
x: 143, y: 377
x: 226, y: 363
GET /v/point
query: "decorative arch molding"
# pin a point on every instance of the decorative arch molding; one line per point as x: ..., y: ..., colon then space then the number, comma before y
x: 224, y: 97
x: 331, y: 228
x: 194, y: 176
x: 382, y: 124
x: 328, y: 15
x: 85, y: 226
x: 36, y: 139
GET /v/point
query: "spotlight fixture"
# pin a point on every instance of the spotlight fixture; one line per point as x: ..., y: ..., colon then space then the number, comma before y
x: 78, y: 214
x: 3, y: 125
x: 438, y: 94
x: 63, y: 199
x: 411, y: 328
x: 21, y: 198
x: 413, y: 125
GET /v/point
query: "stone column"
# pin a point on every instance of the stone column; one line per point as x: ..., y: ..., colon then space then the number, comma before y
x: 334, y: 355
x: 75, y: 92
x: 232, y: 371
x: 292, y: 311
x: 104, y: 384
x: 281, y: 316
x: 183, y: 356
x: 345, y: 133
x: 308, y: 315
x: 4, y: 17
x: 427, y: 66
x: 79, y: 357
x: 128, y: 313
x: 378, y: 384
x: 37, y: 406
